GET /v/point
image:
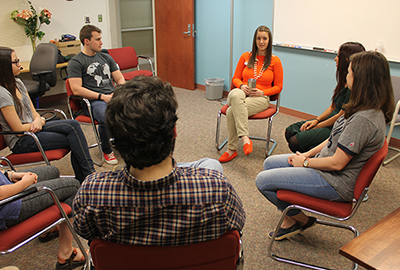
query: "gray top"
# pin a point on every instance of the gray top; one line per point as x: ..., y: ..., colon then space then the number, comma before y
x: 25, y: 115
x: 95, y: 71
x: 360, y: 136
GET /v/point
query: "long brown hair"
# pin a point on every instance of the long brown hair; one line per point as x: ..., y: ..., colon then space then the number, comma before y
x: 7, y: 79
x: 344, y: 53
x: 372, y: 85
x: 268, y: 56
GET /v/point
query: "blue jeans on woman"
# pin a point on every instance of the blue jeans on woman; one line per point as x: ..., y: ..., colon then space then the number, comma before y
x: 59, y: 134
x: 279, y: 174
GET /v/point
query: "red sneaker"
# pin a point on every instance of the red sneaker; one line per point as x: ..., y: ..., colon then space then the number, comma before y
x: 110, y: 158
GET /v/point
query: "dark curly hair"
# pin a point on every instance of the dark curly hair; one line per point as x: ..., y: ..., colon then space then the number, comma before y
x: 141, y: 117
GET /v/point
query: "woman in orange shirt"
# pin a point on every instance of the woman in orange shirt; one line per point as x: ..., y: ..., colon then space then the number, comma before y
x: 266, y: 68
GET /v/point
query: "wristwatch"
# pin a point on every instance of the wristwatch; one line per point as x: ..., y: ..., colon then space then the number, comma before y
x: 305, y: 162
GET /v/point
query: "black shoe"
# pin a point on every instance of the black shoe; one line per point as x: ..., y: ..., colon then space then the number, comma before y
x: 283, y: 233
x: 311, y: 222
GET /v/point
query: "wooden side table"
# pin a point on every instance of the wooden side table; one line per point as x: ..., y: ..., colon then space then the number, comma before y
x: 379, y: 246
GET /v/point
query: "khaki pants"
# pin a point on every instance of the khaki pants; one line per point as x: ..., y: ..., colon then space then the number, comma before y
x: 240, y: 108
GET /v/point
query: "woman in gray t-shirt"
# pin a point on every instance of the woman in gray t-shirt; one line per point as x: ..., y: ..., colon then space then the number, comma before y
x: 17, y: 113
x: 329, y: 171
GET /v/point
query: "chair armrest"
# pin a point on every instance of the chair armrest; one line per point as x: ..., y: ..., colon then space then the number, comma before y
x: 53, y: 110
x: 18, y: 196
x: 45, y: 72
x: 149, y: 60
x: 35, y: 138
x: 8, y: 162
x: 12, y: 132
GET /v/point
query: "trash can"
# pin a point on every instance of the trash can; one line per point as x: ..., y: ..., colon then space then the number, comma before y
x: 214, y: 88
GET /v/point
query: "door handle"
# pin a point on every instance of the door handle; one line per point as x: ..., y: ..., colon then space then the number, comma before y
x: 188, y: 31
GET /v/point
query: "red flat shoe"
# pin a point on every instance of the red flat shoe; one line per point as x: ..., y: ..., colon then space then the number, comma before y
x: 248, y: 148
x: 226, y: 157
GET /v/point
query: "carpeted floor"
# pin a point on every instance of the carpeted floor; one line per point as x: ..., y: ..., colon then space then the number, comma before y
x: 196, y: 139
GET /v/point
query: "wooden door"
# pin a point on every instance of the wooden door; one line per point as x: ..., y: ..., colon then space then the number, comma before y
x: 174, y: 49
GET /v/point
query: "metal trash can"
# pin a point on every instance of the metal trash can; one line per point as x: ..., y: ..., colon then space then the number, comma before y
x: 214, y: 88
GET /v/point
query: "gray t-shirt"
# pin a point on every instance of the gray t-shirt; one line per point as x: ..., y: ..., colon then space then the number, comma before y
x: 25, y: 115
x: 95, y: 71
x: 361, y: 136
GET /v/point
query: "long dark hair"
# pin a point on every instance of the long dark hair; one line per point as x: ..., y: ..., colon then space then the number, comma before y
x: 372, y: 85
x: 345, y: 51
x: 7, y: 79
x: 268, y: 56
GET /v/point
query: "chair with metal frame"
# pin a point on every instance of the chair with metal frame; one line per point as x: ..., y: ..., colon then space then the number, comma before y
x: 32, y: 158
x: 76, y: 112
x: 395, y: 120
x: 269, y: 114
x: 223, y: 253
x: 29, y: 229
x: 127, y: 59
x: 338, y: 211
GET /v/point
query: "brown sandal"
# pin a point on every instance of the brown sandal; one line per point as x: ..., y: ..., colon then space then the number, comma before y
x: 69, y: 263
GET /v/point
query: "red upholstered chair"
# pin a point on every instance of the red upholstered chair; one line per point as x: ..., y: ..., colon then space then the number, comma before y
x: 338, y: 211
x: 267, y: 114
x: 76, y: 112
x: 33, y: 157
x: 222, y: 253
x: 126, y: 58
x: 24, y: 232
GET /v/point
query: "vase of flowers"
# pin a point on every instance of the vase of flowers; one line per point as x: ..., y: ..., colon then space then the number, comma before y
x: 32, y: 21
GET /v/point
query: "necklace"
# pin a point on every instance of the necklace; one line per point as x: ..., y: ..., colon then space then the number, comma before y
x: 255, y: 70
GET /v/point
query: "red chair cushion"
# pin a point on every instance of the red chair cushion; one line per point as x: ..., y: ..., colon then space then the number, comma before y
x: 130, y: 75
x: 17, y: 159
x: 85, y: 119
x: 22, y: 231
x: 261, y: 115
x: 221, y: 253
x: 336, y: 209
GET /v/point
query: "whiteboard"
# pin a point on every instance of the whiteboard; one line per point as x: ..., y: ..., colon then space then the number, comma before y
x: 327, y: 24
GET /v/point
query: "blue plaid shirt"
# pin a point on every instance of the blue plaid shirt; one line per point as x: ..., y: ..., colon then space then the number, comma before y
x: 189, y: 205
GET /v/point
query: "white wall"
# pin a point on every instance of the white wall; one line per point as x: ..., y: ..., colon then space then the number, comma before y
x: 67, y: 18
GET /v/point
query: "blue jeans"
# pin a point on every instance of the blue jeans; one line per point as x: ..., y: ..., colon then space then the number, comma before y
x: 99, y: 114
x: 207, y: 163
x: 279, y: 174
x: 59, y: 134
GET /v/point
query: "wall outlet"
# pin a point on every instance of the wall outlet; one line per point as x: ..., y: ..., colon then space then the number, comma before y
x: 87, y: 19
x: 100, y: 17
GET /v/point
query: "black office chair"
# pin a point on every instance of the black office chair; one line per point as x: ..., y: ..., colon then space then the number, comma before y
x: 43, y: 71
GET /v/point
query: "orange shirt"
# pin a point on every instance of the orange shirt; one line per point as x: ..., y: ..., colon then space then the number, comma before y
x: 273, y: 74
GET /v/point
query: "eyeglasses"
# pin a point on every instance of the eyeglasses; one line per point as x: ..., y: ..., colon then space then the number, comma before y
x: 15, y: 62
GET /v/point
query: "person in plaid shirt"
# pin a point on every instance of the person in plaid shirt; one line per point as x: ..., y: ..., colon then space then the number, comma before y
x: 154, y: 200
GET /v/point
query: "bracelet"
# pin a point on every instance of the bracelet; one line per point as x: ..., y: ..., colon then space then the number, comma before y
x: 99, y: 97
x: 240, y: 87
x: 317, y: 120
x: 8, y: 175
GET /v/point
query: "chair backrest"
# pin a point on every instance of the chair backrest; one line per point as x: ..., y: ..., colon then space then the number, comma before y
x: 74, y: 103
x: 396, y: 87
x: 221, y: 253
x: 369, y: 171
x: 125, y: 57
x: 45, y: 58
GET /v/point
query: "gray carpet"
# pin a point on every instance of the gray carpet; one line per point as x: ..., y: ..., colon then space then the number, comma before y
x: 196, y: 139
